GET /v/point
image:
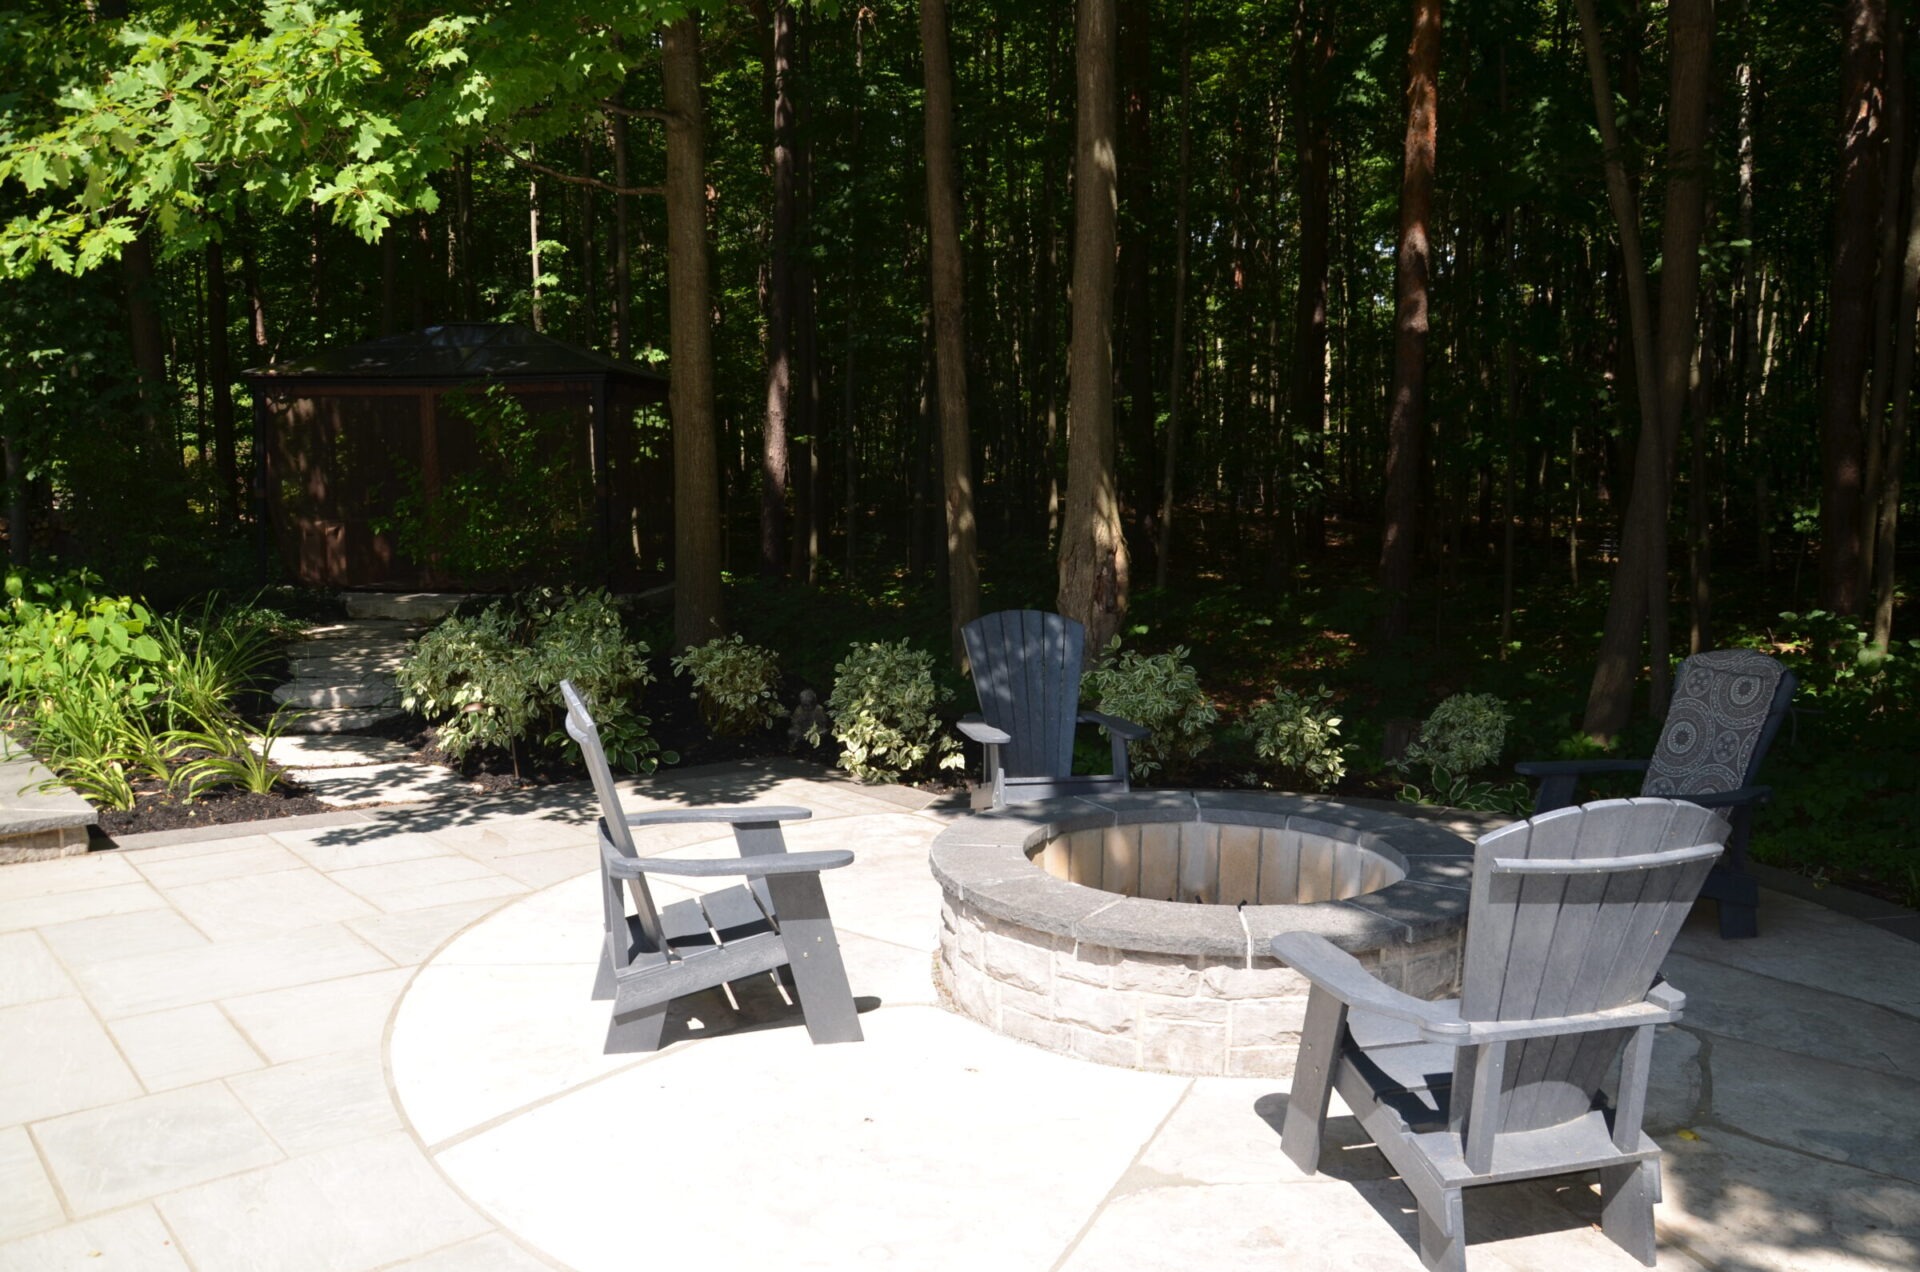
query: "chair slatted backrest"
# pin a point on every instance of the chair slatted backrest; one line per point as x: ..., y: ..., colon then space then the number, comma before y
x: 1558, y: 930
x: 1026, y: 669
x: 613, y: 823
x: 1727, y: 705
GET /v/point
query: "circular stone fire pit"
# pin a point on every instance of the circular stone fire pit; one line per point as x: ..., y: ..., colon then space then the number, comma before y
x: 1133, y: 929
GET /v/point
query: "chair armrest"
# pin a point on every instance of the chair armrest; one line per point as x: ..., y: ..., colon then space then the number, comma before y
x: 1577, y: 768
x: 1740, y: 798
x: 982, y: 732
x: 1339, y: 973
x: 1115, y: 725
x: 1667, y: 998
x: 716, y: 867
x: 747, y: 814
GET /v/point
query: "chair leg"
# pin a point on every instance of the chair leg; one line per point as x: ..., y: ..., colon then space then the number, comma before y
x: 1305, y: 1125
x: 1627, y: 1194
x: 1443, y: 1233
x: 813, y: 956
x: 637, y: 1030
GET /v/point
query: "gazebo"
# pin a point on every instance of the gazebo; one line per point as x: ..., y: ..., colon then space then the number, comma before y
x: 344, y: 436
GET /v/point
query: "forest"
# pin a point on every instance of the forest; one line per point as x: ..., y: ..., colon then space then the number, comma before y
x: 1389, y: 347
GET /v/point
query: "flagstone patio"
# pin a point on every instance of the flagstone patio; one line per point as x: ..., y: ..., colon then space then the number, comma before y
x: 368, y: 1044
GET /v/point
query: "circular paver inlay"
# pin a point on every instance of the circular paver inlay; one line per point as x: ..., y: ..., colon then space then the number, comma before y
x: 1134, y: 929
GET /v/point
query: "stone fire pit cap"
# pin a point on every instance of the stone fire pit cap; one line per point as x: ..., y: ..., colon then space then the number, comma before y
x: 982, y: 860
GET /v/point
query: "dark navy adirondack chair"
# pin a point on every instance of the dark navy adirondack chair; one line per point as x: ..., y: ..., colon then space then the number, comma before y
x: 1572, y: 914
x: 776, y: 919
x: 1026, y: 670
x: 1727, y: 705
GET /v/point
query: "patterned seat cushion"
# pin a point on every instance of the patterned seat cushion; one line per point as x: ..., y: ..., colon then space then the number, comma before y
x: 1721, y: 701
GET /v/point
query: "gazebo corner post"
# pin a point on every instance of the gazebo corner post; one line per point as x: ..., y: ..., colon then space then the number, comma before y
x: 602, y: 481
x: 262, y: 475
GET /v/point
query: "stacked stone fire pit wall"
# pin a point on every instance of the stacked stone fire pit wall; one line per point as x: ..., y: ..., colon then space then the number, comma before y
x: 1129, y: 979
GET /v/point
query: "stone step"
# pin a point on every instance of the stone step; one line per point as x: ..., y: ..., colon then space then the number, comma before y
x: 344, y: 667
x: 370, y: 630
x: 414, y: 607
x: 340, y: 719
x: 325, y: 693
x: 333, y: 750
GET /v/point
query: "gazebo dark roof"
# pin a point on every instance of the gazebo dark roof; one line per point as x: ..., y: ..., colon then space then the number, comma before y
x: 460, y: 352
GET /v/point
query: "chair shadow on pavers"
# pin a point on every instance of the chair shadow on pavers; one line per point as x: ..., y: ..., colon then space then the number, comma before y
x: 774, y: 922
x: 1026, y: 671
x: 1572, y: 914
x: 1727, y: 706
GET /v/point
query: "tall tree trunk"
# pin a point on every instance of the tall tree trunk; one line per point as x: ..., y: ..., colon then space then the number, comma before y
x: 148, y: 343
x: 1886, y: 287
x: 774, y: 471
x: 1307, y: 391
x: 533, y: 253
x: 1887, y: 497
x: 949, y: 326
x: 1136, y: 233
x: 698, y: 606
x: 220, y: 373
x: 1638, y: 596
x: 1406, y: 420
x: 1849, y: 325
x: 1177, y: 356
x: 622, y: 242
x: 1093, y: 547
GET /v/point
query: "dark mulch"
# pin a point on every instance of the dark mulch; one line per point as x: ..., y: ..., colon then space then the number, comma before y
x: 154, y: 809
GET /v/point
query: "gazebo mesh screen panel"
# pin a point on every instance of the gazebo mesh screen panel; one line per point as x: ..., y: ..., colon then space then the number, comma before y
x: 473, y: 456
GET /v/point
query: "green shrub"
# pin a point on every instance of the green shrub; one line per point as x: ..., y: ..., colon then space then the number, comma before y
x: 735, y: 683
x: 883, y: 707
x: 1299, y: 734
x: 1159, y: 691
x: 1465, y: 732
x: 493, y: 679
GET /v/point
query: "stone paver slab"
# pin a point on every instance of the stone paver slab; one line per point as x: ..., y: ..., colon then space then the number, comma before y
x: 184, y: 1046
x: 245, y: 858
x: 67, y: 906
x: 411, y: 936
x: 177, y: 978
x: 66, y: 874
x: 27, y: 1203
x: 947, y: 1183
x: 55, y: 1058
x: 1741, y: 1204
x: 109, y: 1157
x: 313, y: 1019
x: 372, y: 690
x: 348, y: 1209
x: 28, y: 971
x: 1836, y: 1112
x: 1808, y: 945
x: 339, y: 719
x: 132, y: 1240
x: 1785, y: 1016
x: 486, y: 1254
x: 354, y: 848
x: 88, y: 942
x: 263, y: 905
x: 320, y: 1102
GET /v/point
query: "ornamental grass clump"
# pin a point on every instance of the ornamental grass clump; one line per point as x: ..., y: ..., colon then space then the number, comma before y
x: 884, y: 713
x: 1465, y: 732
x: 1299, y: 734
x: 1159, y: 691
x: 492, y: 680
x: 736, y: 684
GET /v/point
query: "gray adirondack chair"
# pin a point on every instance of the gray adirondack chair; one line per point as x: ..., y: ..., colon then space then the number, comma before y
x: 1727, y: 706
x: 776, y: 920
x: 1572, y: 913
x: 1026, y: 671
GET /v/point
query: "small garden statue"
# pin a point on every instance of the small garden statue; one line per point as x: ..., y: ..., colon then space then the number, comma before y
x: 809, y: 721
